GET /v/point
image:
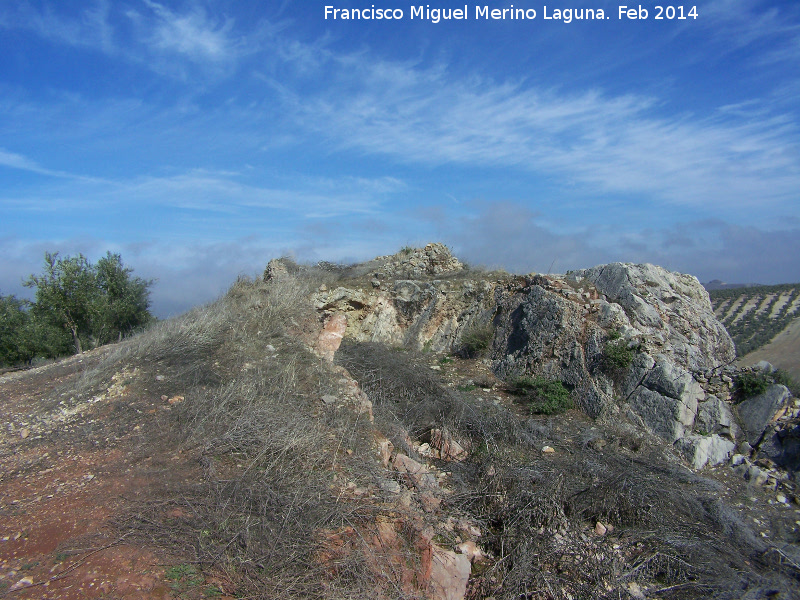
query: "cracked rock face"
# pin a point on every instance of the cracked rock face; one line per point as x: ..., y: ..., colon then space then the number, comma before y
x: 560, y: 327
x: 670, y: 311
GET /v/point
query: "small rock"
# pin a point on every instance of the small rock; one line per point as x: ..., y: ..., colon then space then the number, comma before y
x: 175, y: 400
x: 737, y: 459
x: 600, y: 529
x: 449, y: 574
x: 390, y: 485
x: 329, y: 399
x: 548, y: 450
x: 469, y: 529
x: 635, y: 591
x: 24, y: 433
x: 430, y: 503
x: 782, y: 499
x: 436, y: 368
x: 471, y: 551
x: 755, y: 475
x: 160, y: 378
x: 164, y: 398
x: 24, y: 582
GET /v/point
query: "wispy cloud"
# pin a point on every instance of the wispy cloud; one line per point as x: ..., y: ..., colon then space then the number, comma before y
x: 143, y: 32
x: 90, y: 28
x: 13, y: 160
x: 209, y: 193
x: 740, y: 23
x: 192, y: 34
x: 617, y: 144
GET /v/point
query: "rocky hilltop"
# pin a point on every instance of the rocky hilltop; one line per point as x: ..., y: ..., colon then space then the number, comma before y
x: 632, y: 342
x: 408, y: 428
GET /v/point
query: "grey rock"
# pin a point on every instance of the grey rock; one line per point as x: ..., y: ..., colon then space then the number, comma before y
x: 715, y: 416
x: 702, y: 450
x: 755, y: 475
x: 667, y: 306
x: 659, y: 413
x: 783, y: 448
x: 640, y: 367
x: 277, y: 268
x: 755, y: 414
x: 765, y: 366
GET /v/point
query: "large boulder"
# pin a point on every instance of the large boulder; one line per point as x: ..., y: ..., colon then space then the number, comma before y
x: 660, y: 325
x: 708, y: 450
x: 671, y: 311
x: 755, y: 414
x: 715, y: 416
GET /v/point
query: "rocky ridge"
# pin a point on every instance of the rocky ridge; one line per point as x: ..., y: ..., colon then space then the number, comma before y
x: 676, y: 377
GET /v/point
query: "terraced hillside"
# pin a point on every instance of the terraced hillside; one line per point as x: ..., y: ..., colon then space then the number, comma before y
x: 755, y: 316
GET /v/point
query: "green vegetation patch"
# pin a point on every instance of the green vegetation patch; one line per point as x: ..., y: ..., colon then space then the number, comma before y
x: 476, y: 339
x: 617, y: 355
x: 543, y: 396
x: 78, y: 305
x: 750, y: 385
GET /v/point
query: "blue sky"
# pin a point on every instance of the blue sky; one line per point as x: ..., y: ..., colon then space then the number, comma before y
x: 200, y: 139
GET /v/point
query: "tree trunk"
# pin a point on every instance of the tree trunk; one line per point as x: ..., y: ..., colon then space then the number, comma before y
x: 77, y: 340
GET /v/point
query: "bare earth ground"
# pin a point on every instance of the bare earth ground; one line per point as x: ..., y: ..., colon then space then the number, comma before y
x: 72, y: 470
x: 67, y: 469
x: 783, y: 351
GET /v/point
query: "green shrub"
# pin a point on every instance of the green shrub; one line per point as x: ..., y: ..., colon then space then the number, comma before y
x: 543, y: 396
x: 782, y: 377
x: 617, y: 356
x: 749, y: 385
x: 476, y: 339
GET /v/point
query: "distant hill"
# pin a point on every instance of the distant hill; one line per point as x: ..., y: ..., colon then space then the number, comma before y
x: 755, y: 316
x: 716, y: 284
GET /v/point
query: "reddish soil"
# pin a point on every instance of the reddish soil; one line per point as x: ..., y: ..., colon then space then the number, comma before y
x: 68, y: 468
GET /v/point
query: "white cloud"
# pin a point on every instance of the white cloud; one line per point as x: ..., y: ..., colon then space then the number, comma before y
x: 210, y: 193
x: 740, y: 23
x: 192, y: 34
x: 91, y: 28
x: 607, y: 144
x: 13, y: 160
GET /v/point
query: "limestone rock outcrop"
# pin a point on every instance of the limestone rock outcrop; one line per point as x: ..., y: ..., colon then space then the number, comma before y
x: 631, y: 341
x: 669, y: 313
x: 758, y: 412
x: 419, y: 314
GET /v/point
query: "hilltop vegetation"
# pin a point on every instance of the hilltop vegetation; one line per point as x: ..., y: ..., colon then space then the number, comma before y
x: 78, y: 305
x: 755, y: 315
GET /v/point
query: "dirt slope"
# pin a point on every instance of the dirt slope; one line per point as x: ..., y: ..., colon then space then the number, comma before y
x: 68, y: 468
x: 783, y: 351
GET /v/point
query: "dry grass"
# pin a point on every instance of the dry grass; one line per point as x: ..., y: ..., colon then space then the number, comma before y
x: 674, y: 534
x: 251, y: 505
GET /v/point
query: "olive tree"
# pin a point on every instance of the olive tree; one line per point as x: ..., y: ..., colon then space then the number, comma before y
x: 93, y: 303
